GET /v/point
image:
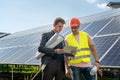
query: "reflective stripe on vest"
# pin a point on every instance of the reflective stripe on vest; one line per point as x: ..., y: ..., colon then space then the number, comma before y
x: 83, y: 51
x: 78, y: 57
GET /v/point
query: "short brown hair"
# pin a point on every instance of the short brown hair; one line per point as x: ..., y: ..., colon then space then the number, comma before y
x: 59, y: 19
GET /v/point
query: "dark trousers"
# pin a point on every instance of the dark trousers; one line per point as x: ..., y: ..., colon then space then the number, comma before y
x: 54, y: 69
x: 77, y: 73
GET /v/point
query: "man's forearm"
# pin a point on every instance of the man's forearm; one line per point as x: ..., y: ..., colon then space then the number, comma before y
x: 92, y: 48
x: 66, y: 63
x: 47, y: 51
x: 94, y: 53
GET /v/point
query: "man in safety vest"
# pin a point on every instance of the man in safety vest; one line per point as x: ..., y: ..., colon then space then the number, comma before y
x: 80, y: 63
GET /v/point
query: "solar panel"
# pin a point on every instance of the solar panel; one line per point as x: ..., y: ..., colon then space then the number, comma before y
x: 102, y: 44
x: 26, y: 56
x: 96, y: 26
x: 113, y: 56
x: 33, y: 61
x: 65, y: 34
x: 24, y: 40
x: 28, y: 39
x: 113, y: 27
x: 2, y: 51
x: 11, y: 57
x: 65, y: 30
x: 83, y: 26
x: 7, y: 52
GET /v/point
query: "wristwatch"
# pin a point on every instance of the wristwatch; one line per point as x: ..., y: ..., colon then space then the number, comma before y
x: 97, y: 61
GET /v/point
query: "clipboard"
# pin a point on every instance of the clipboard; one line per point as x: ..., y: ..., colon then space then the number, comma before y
x: 68, y: 49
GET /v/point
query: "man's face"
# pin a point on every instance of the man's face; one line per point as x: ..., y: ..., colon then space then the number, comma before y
x: 58, y: 27
x: 75, y: 29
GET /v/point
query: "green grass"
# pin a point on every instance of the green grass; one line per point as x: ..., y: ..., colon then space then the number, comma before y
x: 18, y: 68
x: 27, y: 71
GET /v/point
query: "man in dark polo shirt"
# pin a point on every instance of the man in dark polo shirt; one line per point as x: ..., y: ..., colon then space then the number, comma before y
x: 54, y: 58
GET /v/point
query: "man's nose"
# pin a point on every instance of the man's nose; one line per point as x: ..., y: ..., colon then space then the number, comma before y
x: 73, y: 29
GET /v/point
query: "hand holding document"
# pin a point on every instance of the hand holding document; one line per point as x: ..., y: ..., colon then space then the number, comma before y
x: 70, y: 50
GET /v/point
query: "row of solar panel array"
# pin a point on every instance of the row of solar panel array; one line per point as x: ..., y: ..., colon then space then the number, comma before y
x: 25, y: 54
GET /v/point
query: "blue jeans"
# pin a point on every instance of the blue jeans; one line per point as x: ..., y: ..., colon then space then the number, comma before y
x: 78, y: 72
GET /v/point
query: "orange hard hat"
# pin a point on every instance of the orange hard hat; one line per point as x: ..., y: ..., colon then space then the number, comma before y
x: 74, y: 22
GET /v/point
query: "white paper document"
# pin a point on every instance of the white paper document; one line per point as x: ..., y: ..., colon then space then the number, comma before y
x: 68, y: 49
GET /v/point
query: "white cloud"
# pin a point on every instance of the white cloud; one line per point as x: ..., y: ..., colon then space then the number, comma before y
x: 102, y: 6
x: 91, y: 1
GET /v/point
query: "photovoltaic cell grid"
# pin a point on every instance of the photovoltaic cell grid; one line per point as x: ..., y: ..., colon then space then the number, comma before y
x: 26, y: 56
x: 83, y: 26
x: 33, y: 61
x: 19, y: 55
x: 24, y: 40
x: 9, y: 57
x: 65, y: 31
x: 11, y: 53
x: 113, y: 56
x: 113, y: 27
x: 96, y: 26
x: 7, y: 53
x: 102, y: 44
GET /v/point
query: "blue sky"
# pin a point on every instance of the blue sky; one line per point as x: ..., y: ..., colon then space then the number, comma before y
x: 19, y: 15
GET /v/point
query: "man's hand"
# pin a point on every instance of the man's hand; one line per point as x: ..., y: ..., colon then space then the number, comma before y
x: 98, y: 65
x: 59, y: 51
x: 73, y: 52
x: 68, y: 73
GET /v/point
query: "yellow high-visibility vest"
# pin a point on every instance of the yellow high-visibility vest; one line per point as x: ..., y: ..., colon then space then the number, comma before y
x: 83, y: 51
